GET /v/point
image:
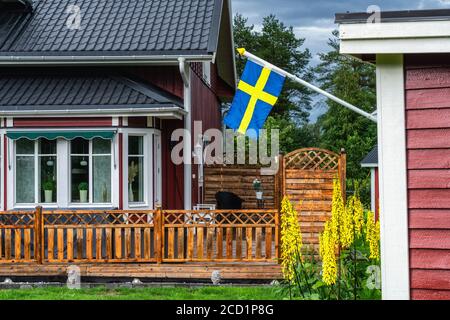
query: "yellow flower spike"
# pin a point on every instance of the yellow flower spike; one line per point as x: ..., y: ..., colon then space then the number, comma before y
x: 373, y: 236
x: 342, y: 222
x: 358, y: 215
x: 291, y: 239
x: 327, y: 250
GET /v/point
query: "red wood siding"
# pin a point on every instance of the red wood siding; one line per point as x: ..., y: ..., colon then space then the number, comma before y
x: 137, y: 122
x: 69, y: 122
x: 428, y: 154
x: 172, y: 175
x: 205, y: 108
x: 167, y: 78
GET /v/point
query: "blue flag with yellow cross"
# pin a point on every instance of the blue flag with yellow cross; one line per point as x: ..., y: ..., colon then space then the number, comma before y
x: 257, y: 92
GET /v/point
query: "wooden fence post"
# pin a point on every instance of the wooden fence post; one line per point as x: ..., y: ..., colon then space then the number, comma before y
x: 343, y: 173
x: 277, y: 236
x: 281, y: 179
x: 278, y: 187
x: 282, y: 193
x: 38, y: 235
x: 158, y: 225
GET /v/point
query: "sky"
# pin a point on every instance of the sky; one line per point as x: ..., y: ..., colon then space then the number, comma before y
x: 314, y: 19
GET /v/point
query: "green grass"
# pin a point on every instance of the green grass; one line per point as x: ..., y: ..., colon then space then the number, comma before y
x: 153, y: 293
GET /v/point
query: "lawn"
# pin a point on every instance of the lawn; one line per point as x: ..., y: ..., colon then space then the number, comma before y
x: 153, y: 293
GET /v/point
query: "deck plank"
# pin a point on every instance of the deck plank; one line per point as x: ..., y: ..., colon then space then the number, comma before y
x: 229, y: 271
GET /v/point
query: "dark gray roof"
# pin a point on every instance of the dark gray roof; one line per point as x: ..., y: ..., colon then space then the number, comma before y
x: 371, y: 160
x: 395, y: 16
x: 78, y: 90
x: 117, y: 27
x: 16, y: 5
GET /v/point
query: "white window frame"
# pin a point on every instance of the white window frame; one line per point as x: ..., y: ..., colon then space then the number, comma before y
x: 35, y: 156
x: 151, y: 178
x: 157, y: 169
x: 63, y: 176
x: 152, y: 172
x: 206, y: 70
x: 90, y: 157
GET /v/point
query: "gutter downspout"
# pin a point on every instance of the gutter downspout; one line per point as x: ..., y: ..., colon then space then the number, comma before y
x: 187, y: 143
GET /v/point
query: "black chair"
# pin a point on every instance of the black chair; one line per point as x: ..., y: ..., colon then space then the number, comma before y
x: 228, y: 201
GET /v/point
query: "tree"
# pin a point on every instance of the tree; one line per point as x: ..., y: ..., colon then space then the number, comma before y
x: 279, y: 45
x: 293, y: 136
x: 353, y: 81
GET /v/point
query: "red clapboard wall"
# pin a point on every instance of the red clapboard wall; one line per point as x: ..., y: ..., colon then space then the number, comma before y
x: 428, y: 144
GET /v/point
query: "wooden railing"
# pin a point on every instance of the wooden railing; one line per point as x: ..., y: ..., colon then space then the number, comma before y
x: 99, y: 236
x: 220, y: 235
x: 18, y: 236
x: 141, y: 236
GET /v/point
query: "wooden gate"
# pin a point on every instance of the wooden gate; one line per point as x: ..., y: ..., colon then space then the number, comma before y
x: 308, y: 182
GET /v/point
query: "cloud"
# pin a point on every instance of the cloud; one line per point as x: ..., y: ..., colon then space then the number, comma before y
x: 314, y: 19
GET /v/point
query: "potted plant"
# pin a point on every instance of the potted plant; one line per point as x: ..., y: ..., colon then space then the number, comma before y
x: 48, y: 187
x: 258, y: 189
x: 83, y: 189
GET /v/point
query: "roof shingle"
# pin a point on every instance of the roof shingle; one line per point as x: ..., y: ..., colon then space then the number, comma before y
x: 371, y: 160
x: 120, y: 26
x: 78, y: 90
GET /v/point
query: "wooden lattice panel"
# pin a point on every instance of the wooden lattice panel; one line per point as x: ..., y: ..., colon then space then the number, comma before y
x: 64, y: 218
x: 312, y: 159
x: 308, y: 182
x: 226, y: 218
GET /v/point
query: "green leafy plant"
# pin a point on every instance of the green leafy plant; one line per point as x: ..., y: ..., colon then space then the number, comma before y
x: 348, y: 265
x: 48, y: 185
x: 83, y: 186
x: 257, y: 186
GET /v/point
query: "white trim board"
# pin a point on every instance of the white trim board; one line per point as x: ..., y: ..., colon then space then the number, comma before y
x: 396, y: 46
x: 393, y: 178
x: 395, y: 30
x: 395, y: 37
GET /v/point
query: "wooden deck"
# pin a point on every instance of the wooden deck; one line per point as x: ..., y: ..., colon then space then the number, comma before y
x: 184, y: 271
x: 153, y: 244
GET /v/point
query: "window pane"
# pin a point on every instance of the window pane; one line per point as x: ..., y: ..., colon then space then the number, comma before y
x: 24, y: 146
x: 135, y: 179
x: 25, y: 179
x: 101, y: 146
x: 79, y: 146
x: 48, y: 184
x: 80, y: 179
x: 135, y: 145
x: 102, y: 179
x: 47, y: 146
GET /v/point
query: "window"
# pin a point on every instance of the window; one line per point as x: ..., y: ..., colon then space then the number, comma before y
x: 90, y: 163
x: 35, y: 165
x: 207, y: 72
x: 136, y: 169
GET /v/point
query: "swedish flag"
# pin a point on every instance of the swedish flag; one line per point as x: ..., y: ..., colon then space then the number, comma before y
x: 257, y: 93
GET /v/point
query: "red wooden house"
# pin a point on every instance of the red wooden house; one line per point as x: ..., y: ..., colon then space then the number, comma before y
x: 411, y: 50
x: 91, y: 92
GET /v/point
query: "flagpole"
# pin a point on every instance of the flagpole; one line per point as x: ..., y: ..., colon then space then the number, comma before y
x: 294, y: 78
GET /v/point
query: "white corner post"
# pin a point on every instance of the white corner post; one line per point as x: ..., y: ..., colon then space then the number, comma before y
x: 393, y: 177
x: 187, y: 140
